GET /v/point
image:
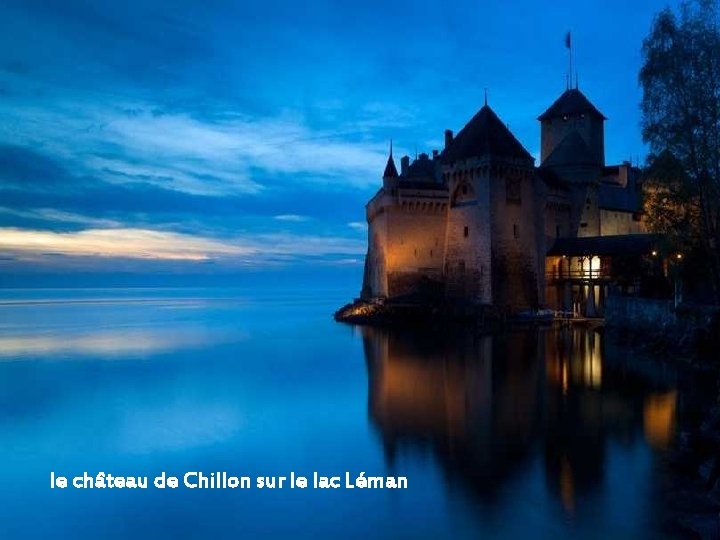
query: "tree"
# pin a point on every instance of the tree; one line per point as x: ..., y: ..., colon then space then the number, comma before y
x: 670, y: 205
x: 680, y: 78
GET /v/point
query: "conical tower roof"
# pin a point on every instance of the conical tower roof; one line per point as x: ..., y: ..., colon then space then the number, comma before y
x: 485, y: 134
x: 390, y: 169
x: 572, y: 102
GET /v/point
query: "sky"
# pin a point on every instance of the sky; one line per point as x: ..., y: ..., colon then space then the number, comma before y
x: 228, y: 136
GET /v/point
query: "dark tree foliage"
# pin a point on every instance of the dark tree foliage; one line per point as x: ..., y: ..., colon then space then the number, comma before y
x: 680, y: 78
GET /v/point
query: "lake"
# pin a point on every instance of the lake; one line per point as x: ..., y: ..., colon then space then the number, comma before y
x: 529, y: 433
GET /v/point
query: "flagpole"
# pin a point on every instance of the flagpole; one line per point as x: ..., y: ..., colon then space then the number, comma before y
x: 574, y: 53
x: 570, y: 62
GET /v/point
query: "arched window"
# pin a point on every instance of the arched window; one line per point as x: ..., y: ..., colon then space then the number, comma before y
x: 463, y: 192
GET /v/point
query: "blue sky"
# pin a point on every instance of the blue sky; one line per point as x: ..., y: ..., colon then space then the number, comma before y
x: 196, y: 136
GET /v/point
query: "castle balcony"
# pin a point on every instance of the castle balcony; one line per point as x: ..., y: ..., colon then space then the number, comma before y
x: 578, y: 276
x: 581, y: 272
x: 592, y: 259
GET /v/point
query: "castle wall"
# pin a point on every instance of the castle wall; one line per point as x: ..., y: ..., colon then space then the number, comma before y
x: 613, y: 222
x: 467, y: 241
x: 516, y: 218
x: 580, y: 199
x: 589, y: 220
x: 540, y: 196
x: 557, y: 220
x: 415, y: 245
x: 375, y: 274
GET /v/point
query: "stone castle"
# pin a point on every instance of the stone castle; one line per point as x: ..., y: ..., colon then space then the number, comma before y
x: 480, y: 222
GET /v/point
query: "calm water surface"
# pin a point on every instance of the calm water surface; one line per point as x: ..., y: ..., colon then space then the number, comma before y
x: 528, y: 434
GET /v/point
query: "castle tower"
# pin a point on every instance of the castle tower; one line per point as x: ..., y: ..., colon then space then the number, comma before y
x: 572, y: 140
x: 375, y: 271
x: 491, y: 241
x: 572, y: 113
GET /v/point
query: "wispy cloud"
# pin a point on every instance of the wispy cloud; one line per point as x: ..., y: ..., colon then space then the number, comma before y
x: 225, y: 153
x: 129, y: 243
x: 358, y: 226
x: 162, y: 245
x: 56, y: 216
x: 295, y: 218
x: 299, y: 245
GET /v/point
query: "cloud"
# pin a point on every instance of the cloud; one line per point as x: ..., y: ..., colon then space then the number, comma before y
x: 292, y: 218
x: 358, y: 226
x: 294, y: 245
x: 129, y: 243
x: 253, y: 249
x: 75, y: 206
x: 221, y: 154
x: 39, y: 192
x: 55, y: 216
x: 163, y: 141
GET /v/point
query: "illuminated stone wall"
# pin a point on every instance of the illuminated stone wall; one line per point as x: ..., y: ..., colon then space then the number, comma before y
x: 375, y: 274
x: 468, y: 236
x: 482, y: 240
x: 406, y: 243
x: 415, y: 244
x: 613, y: 222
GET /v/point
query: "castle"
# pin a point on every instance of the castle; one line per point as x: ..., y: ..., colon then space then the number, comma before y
x: 480, y: 222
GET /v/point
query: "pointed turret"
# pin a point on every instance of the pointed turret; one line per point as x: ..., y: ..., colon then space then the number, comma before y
x: 390, y: 169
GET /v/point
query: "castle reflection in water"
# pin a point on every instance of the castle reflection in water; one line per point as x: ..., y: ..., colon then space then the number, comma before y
x: 485, y: 405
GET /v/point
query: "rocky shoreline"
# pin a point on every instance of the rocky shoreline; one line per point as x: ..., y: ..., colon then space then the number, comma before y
x: 408, y: 313
x: 423, y: 312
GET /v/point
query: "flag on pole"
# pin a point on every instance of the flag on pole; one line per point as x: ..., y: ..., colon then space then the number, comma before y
x: 568, y: 46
